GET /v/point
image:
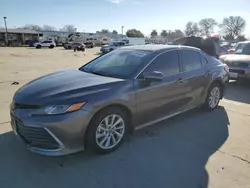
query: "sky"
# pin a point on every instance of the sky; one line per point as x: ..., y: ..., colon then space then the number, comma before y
x: 145, y: 15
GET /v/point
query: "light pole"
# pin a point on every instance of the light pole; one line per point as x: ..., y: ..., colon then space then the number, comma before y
x: 122, y: 29
x: 6, y: 30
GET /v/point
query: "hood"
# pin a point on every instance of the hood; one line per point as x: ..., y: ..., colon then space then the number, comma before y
x: 63, y: 87
x: 235, y: 57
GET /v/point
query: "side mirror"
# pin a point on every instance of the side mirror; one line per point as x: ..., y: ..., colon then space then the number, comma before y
x: 155, y: 76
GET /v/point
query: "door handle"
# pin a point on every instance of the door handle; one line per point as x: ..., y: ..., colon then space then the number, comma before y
x: 208, y: 73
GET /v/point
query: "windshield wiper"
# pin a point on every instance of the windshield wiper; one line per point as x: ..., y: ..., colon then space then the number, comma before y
x: 97, y: 73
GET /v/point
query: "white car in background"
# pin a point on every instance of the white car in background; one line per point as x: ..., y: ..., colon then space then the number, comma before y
x: 46, y: 43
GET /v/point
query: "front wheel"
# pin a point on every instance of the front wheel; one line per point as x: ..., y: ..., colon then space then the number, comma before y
x: 107, y: 131
x: 213, y: 97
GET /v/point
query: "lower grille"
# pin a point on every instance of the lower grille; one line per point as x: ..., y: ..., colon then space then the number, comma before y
x: 238, y: 64
x: 237, y: 71
x: 35, y: 136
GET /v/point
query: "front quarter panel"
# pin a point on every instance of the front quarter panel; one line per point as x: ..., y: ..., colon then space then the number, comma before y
x: 119, y: 94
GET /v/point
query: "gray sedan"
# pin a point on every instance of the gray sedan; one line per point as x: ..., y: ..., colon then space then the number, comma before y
x: 96, y: 106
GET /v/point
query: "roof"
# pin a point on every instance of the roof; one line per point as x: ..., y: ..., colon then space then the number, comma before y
x: 155, y: 47
x: 26, y: 31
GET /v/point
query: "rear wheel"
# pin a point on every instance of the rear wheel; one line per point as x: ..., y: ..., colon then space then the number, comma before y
x: 107, y: 130
x: 51, y: 46
x: 38, y: 46
x: 213, y: 97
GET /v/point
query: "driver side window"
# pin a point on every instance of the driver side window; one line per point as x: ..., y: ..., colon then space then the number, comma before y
x: 166, y: 63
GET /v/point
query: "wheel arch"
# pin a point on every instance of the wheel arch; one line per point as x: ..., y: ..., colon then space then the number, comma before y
x: 220, y: 83
x: 116, y: 105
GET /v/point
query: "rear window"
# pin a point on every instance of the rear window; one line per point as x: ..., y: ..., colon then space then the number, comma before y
x: 243, y: 48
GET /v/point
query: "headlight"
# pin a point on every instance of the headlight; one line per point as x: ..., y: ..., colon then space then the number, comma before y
x: 58, y: 109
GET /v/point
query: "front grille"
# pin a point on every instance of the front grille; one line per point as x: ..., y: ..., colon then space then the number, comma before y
x: 24, y: 106
x: 35, y: 136
x: 238, y: 64
x: 237, y: 71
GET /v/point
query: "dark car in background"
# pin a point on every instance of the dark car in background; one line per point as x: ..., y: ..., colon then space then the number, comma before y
x: 239, y: 61
x: 89, y: 44
x: 129, y: 88
x: 112, y: 46
x: 208, y: 45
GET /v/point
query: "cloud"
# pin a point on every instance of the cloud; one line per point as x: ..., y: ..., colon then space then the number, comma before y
x: 114, y: 1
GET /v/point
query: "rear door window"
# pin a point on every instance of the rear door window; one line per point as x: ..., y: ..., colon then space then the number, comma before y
x: 191, y: 60
x: 166, y: 63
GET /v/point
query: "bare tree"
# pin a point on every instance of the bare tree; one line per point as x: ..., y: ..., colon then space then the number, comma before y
x: 228, y: 37
x: 233, y: 25
x: 68, y: 28
x: 49, y: 28
x: 154, y: 33
x: 207, y: 25
x: 32, y: 27
x: 192, y: 29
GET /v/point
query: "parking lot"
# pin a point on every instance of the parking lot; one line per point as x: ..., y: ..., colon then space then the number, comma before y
x: 194, y: 150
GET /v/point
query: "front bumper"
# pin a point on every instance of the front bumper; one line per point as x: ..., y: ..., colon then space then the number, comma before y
x: 236, y: 73
x: 51, y: 135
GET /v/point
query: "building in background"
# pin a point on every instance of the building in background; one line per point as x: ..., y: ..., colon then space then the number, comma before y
x: 18, y: 37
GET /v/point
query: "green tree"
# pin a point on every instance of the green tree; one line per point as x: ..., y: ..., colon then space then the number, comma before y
x: 104, y: 31
x: 154, y: 33
x: 164, y: 33
x: 134, y: 33
x: 114, y: 32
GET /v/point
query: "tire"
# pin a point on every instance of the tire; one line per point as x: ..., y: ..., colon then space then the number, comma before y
x: 212, y: 101
x: 51, y: 46
x: 38, y: 46
x: 83, y: 49
x: 111, y: 49
x: 69, y: 47
x: 97, y: 126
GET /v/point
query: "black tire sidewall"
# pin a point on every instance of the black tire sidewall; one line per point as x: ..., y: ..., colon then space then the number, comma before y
x: 90, y: 140
x: 206, y: 104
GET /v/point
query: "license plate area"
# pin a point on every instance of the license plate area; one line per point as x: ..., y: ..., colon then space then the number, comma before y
x: 233, y: 75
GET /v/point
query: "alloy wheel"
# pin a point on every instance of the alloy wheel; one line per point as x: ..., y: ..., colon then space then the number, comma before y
x: 110, y: 131
x: 214, y: 97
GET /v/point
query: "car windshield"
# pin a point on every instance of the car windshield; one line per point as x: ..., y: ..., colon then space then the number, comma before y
x: 118, y: 64
x: 243, y: 48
